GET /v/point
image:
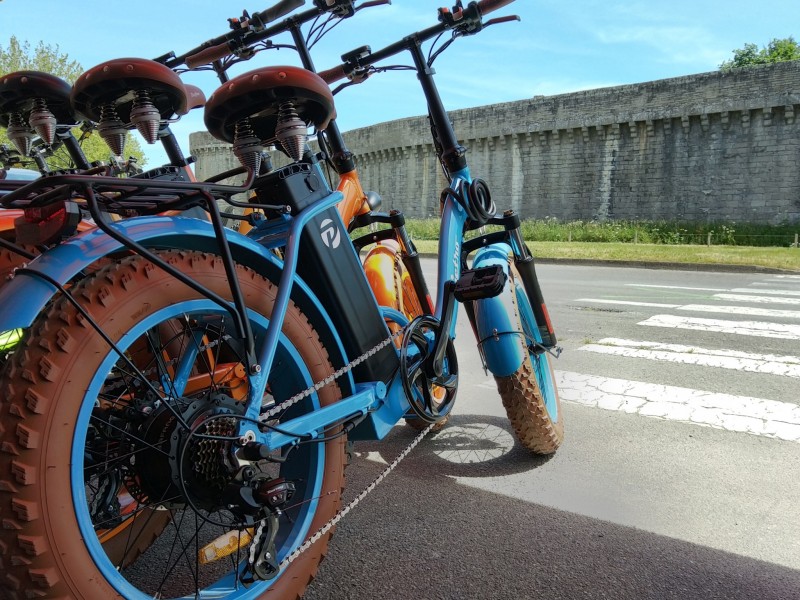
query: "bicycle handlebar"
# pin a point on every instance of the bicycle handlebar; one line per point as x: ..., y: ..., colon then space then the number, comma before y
x: 487, y: 6
x: 249, y: 30
x: 347, y: 68
x: 372, y: 3
x: 208, y: 55
x: 334, y: 74
x: 273, y: 13
x: 224, y: 45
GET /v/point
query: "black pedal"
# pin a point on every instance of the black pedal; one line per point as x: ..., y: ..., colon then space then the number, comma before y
x: 475, y: 284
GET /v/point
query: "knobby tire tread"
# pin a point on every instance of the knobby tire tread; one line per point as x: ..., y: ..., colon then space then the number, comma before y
x: 34, y: 515
x: 527, y: 412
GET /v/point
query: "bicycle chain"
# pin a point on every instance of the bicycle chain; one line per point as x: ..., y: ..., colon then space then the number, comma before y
x: 341, y: 514
x: 331, y: 378
x: 283, y: 406
x: 353, y: 503
x: 259, y: 531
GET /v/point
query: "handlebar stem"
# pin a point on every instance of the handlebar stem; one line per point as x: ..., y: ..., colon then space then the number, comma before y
x: 453, y: 153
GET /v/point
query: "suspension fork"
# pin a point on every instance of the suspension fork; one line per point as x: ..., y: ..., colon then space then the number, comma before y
x: 524, y: 262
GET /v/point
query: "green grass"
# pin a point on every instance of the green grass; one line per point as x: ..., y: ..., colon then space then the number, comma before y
x: 643, y: 232
x: 784, y: 257
x: 774, y: 258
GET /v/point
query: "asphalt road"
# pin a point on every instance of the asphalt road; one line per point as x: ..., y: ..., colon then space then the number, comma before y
x: 644, y: 499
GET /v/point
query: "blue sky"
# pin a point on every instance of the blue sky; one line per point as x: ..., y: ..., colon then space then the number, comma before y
x: 558, y: 47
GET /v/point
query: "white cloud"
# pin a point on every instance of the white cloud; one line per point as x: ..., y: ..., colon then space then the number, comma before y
x: 679, y: 45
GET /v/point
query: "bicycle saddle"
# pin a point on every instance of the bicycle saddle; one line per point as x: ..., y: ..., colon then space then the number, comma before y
x: 20, y: 90
x: 117, y: 81
x: 34, y: 101
x: 195, y: 98
x: 271, y: 99
x: 128, y: 91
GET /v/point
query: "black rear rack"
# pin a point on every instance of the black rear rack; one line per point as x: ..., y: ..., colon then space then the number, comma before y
x: 152, y: 194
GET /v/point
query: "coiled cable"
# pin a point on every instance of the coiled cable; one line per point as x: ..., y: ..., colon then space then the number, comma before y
x: 477, y: 203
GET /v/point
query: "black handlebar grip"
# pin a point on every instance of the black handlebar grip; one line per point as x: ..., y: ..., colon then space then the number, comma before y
x: 208, y: 55
x: 284, y: 7
x: 333, y: 75
x: 487, y: 6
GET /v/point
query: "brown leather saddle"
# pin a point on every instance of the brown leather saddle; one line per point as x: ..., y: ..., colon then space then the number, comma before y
x: 263, y: 96
x: 33, y: 101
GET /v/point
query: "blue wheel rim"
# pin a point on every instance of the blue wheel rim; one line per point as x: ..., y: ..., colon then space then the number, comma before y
x: 293, y: 373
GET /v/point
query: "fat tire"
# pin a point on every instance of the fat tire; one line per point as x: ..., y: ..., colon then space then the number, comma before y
x: 525, y: 407
x: 11, y: 260
x: 152, y: 523
x: 42, y: 554
x: 523, y: 396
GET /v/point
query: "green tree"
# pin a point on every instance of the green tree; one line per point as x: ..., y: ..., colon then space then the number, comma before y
x: 18, y: 56
x: 778, y: 50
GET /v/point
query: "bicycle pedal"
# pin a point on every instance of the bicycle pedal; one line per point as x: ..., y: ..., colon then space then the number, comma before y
x: 475, y: 284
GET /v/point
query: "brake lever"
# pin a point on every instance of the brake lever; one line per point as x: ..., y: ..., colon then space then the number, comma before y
x: 498, y: 20
x: 372, y: 3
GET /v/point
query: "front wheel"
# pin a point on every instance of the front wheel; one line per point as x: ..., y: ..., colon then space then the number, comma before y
x: 530, y: 395
x: 91, y: 440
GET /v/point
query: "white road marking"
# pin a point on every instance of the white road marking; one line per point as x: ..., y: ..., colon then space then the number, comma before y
x: 677, y: 287
x: 788, y: 366
x: 768, y: 418
x: 757, y: 299
x: 742, y: 310
x: 375, y: 457
x: 752, y: 328
x: 760, y: 291
x: 705, y: 289
x: 738, y: 310
x: 627, y: 303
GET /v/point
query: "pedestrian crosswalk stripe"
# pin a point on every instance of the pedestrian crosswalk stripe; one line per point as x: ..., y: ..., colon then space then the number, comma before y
x: 627, y: 303
x: 676, y: 287
x: 757, y: 299
x: 757, y: 416
x: 742, y: 310
x: 763, y: 291
x: 709, y: 289
x: 738, y: 310
x: 752, y: 328
x: 788, y: 366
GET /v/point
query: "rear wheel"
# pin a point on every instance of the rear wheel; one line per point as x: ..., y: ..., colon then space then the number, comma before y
x: 530, y: 395
x: 90, y: 443
x: 147, y: 525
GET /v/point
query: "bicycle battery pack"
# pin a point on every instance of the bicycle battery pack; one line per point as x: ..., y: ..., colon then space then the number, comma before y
x: 297, y: 185
x: 328, y: 263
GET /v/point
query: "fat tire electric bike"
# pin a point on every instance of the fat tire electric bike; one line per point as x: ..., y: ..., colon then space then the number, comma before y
x: 218, y: 379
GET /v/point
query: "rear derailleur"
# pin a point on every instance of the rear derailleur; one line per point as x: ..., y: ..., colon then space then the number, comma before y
x: 259, y: 500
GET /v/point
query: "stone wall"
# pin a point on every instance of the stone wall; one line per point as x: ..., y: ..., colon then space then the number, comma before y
x: 714, y: 146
